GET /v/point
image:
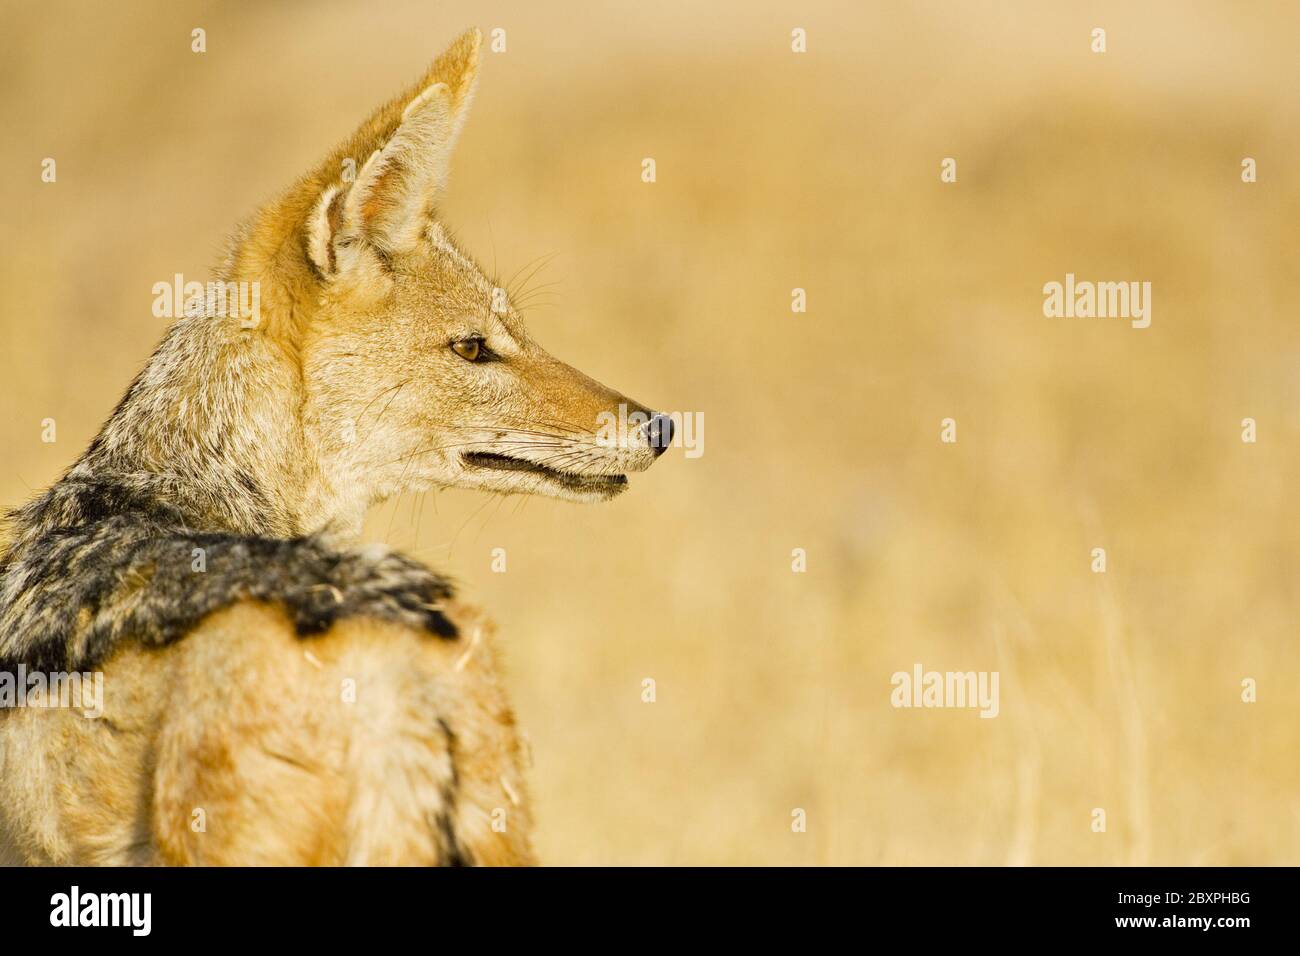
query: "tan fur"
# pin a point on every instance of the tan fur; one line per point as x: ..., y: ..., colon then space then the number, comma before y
x: 284, y: 772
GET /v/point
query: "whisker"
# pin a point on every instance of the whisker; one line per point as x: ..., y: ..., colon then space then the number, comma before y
x: 541, y: 263
x: 397, y: 392
x: 380, y: 395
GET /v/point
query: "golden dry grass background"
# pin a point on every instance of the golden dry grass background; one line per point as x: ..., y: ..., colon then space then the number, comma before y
x: 777, y: 170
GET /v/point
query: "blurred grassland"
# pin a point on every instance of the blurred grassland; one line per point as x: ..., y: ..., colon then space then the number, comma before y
x: 775, y: 170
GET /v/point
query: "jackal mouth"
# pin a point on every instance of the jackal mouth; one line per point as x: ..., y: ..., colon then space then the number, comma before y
x: 569, y: 479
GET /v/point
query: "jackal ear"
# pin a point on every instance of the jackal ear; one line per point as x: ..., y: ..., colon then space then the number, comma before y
x: 392, y: 200
x: 322, y: 226
x: 409, y: 141
x: 406, y: 146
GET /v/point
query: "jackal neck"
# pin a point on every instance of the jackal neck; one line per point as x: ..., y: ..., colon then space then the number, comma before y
x: 211, y: 431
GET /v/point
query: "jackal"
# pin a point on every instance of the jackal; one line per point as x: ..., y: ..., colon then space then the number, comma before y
x: 275, y: 692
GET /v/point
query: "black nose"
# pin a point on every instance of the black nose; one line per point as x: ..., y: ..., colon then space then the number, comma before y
x: 659, y: 433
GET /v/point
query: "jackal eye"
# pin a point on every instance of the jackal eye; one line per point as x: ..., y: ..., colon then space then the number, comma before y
x: 468, y: 349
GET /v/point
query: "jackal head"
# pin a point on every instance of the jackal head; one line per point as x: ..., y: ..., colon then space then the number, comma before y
x: 416, y: 368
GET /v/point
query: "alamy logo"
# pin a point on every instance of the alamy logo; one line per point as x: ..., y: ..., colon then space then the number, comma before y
x: 1102, y: 300
x: 103, y: 909
x: 615, y: 431
x: 23, y: 688
x: 236, y: 300
x: 922, y: 688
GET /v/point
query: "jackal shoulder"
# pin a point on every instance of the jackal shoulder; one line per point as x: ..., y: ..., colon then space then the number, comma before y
x: 94, y: 562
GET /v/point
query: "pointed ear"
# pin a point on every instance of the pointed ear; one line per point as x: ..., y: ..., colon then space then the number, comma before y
x: 392, y: 199
x: 409, y: 143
